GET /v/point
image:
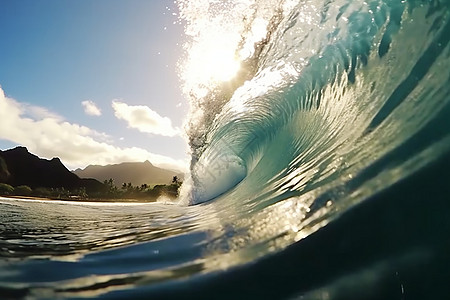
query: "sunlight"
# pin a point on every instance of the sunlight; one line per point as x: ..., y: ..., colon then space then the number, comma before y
x: 212, y: 60
x: 213, y: 63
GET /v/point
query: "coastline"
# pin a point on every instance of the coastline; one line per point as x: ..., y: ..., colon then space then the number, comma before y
x: 96, y: 200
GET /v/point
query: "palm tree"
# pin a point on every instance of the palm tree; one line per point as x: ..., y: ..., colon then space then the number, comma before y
x: 175, y: 180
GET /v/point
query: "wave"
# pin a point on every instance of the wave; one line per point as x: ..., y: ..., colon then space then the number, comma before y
x: 331, y: 90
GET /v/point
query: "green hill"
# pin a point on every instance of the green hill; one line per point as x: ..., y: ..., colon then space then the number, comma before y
x: 19, y: 167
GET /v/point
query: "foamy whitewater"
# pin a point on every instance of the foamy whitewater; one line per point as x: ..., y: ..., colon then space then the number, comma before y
x: 320, y: 138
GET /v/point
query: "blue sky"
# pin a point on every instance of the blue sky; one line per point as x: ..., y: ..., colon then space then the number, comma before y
x: 92, y: 82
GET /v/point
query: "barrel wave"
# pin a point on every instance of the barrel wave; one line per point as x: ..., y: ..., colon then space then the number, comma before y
x: 320, y: 140
x: 334, y: 90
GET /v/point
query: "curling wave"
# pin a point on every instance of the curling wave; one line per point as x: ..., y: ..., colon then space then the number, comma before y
x: 330, y: 90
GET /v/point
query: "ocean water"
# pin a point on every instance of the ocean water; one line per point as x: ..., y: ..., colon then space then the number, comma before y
x: 320, y: 137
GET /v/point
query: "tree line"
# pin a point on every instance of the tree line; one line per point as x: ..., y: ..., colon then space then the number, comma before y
x: 143, y: 192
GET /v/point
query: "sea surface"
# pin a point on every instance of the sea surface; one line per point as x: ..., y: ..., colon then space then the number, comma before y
x: 320, y: 138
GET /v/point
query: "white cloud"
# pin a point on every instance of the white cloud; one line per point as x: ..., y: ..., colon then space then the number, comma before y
x: 90, y: 108
x: 76, y: 145
x: 37, y: 112
x: 144, y: 119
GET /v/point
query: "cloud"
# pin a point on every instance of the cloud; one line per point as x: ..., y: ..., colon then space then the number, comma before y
x: 76, y: 145
x: 90, y: 108
x: 144, y: 119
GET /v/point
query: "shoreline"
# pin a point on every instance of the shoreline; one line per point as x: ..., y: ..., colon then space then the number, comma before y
x: 97, y: 200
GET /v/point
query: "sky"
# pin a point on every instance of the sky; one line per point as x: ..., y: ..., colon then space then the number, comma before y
x: 92, y: 82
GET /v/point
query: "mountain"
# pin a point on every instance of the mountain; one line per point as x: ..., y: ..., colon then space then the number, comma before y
x: 137, y: 173
x: 20, y: 167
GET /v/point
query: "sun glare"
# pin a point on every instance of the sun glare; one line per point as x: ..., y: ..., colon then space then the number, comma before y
x: 211, y: 63
x: 225, y: 68
x: 215, y: 65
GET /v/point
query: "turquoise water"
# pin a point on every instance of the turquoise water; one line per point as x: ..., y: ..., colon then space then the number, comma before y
x: 320, y: 166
